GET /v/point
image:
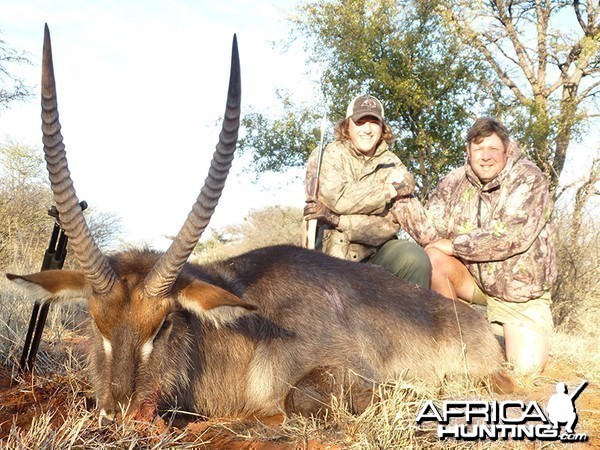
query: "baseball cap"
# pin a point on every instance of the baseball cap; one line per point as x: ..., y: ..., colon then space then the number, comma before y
x: 365, y: 105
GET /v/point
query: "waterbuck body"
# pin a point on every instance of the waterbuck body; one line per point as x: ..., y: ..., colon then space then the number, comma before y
x: 240, y: 336
x: 262, y: 322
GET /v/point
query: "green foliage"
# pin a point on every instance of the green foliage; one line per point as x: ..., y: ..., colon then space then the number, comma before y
x: 283, y: 142
x: 400, y: 53
x: 436, y: 66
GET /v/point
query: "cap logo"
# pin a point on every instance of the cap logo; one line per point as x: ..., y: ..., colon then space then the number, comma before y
x: 369, y: 103
x: 365, y: 105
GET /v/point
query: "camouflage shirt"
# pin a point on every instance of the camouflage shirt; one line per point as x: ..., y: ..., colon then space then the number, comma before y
x: 502, y: 230
x: 360, y: 190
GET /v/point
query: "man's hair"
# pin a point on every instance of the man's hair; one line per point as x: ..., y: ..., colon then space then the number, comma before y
x: 484, y: 127
x: 341, y: 133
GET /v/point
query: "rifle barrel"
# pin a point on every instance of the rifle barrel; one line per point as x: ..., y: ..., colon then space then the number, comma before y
x: 580, y: 388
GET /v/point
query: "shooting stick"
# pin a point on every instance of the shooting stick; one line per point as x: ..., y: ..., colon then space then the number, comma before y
x: 54, y: 258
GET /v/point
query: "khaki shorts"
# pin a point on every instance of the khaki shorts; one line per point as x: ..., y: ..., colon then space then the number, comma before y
x: 534, y: 314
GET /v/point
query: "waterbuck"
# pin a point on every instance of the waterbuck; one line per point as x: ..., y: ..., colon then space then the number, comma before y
x: 256, y: 334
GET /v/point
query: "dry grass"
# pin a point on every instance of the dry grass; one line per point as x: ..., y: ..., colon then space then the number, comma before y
x: 55, y: 407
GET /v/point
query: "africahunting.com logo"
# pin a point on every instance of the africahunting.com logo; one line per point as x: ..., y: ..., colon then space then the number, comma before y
x: 514, y: 420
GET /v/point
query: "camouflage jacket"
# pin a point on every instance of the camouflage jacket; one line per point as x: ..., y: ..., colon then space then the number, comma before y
x: 360, y: 190
x: 502, y: 230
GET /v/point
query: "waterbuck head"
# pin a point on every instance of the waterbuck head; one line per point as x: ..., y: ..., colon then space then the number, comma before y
x: 131, y: 296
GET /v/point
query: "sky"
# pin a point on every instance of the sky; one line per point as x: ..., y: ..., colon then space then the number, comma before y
x: 141, y: 90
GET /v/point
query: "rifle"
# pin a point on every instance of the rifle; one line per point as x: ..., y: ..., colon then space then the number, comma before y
x: 54, y: 258
x: 310, y: 226
x: 580, y: 388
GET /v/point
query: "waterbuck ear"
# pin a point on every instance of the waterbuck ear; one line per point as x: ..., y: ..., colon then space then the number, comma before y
x: 54, y: 285
x: 213, y: 303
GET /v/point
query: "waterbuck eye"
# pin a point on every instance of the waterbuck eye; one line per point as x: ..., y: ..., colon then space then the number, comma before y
x: 164, y: 329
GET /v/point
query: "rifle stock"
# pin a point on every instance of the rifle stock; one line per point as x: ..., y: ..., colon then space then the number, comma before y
x: 309, y: 237
x: 311, y: 234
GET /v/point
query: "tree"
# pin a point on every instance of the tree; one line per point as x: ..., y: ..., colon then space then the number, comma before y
x: 437, y: 65
x: 272, y: 225
x: 11, y: 87
x: 282, y: 142
x: 545, y: 55
x: 397, y: 51
x: 25, y: 197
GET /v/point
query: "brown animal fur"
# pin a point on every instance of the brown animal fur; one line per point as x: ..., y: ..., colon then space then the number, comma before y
x: 274, y: 317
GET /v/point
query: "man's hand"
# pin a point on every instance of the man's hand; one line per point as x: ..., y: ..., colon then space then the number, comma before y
x: 443, y: 245
x: 314, y: 209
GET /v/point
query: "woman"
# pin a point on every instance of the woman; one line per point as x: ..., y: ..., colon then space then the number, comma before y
x: 359, y: 180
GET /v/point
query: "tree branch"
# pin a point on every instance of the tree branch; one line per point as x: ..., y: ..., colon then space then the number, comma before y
x: 520, y: 50
x: 472, y: 38
x: 588, y: 91
x: 543, y: 16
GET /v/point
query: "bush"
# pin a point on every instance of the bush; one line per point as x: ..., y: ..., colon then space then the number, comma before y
x: 272, y: 225
x: 576, y: 294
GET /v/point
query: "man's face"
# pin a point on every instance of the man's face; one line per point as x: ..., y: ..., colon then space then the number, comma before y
x: 487, y: 158
x: 365, y: 134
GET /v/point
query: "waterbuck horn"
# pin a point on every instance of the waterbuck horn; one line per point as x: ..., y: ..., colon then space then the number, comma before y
x: 94, y: 264
x: 160, y: 279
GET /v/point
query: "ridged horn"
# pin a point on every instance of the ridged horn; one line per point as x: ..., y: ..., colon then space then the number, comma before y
x: 160, y: 279
x: 93, y: 262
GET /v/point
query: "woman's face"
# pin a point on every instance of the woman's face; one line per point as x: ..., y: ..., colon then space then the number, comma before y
x: 365, y: 134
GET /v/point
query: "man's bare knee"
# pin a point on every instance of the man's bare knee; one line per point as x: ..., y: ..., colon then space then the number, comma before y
x: 440, y: 262
x: 526, y: 349
x: 450, y: 277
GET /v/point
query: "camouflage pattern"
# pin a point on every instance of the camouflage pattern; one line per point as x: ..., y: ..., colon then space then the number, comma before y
x: 502, y: 230
x: 360, y: 190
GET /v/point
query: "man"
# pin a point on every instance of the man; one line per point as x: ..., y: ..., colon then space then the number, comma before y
x: 488, y: 233
x: 359, y: 180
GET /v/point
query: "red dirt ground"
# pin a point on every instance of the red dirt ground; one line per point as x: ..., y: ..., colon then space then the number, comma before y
x: 20, y: 403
